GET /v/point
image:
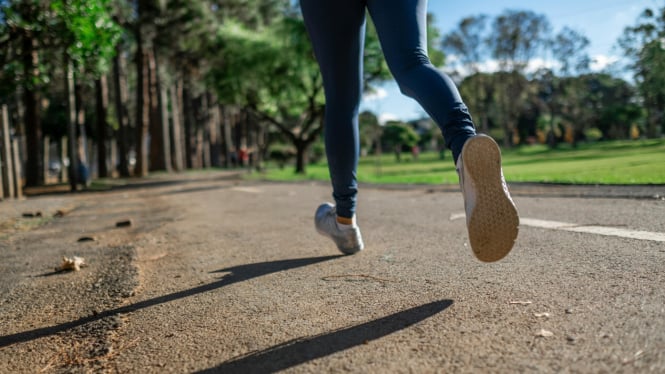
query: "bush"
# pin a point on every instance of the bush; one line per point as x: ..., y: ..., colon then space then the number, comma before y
x: 593, y: 134
x: 281, y: 154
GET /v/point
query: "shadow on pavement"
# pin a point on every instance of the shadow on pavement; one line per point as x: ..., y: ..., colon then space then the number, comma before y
x: 134, y: 183
x: 298, y: 351
x: 196, y: 189
x: 237, y: 274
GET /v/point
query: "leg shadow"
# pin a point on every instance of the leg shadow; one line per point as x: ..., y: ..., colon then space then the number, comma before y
x: 236, y: 274
x: 302, y: 350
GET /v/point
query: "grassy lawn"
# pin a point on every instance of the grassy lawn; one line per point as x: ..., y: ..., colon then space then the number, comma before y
x: 616, y: 162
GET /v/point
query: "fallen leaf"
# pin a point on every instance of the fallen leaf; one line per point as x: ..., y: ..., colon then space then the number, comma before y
x: 74, y: 263
x: 544, y: 333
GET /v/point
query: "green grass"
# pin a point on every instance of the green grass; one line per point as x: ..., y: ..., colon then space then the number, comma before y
x: 616, y: 162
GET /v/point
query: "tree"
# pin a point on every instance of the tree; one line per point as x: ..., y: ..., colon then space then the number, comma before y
x: 569, y: 49
x: 398, y: 135
x: 186, y: 45
x: 89, y: 36
x: 33, y: 38
x: 601, y: 101
x: 146, y: 12
x: 183, y: 45
x: 121, y: 96
x: 517, y: 36
x: 23, y: 32
x: 273, y: 73
x: 468, y: 43
x: 644, y: 45
x: 370, y: 132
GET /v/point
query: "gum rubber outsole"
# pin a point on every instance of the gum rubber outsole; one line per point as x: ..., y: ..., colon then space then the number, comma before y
x: 494, y: 222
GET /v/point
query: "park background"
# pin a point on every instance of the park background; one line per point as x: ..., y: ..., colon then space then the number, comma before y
x: 97, y: 90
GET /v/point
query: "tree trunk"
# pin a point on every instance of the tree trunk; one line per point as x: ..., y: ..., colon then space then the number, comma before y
x: 7, y: 167
x: 63, y: 152
x: 215, y: 138
x: 164, y: 117
x: 121, y: 113
x: 226, y: 131
x: 485, y: 126
x: 203, y: 132
x: 199, y: 160
x: 46, y: 153
x: 301, y: 156
x: 176, y: 114
x: 189, y: 125
x: 102, y: 94
x: 214, y: 131
x: 261, y: 146
x: 158, y: 137
x: 33, y: 128
x: 71, y: 127
x: 142, y: 109
x: 82, y: 145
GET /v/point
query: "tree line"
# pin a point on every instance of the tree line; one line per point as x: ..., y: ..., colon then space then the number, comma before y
x: 542, y: 87
x: 155, y: 85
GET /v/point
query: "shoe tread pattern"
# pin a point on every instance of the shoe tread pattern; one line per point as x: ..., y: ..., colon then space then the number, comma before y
x: 494, y: 222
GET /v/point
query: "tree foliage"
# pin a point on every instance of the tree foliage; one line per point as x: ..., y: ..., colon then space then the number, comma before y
x: 88, y: 33
x: 273, y: 73
x: 398, y: 135
x: 644, y: 45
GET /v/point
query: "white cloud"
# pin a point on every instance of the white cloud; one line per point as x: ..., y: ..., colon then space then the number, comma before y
x: 489, y: 66
x: 376, y: 94
x: 385, y: 117
x: 493, y: 66
x: 540, y: 63
x: 600, y: 62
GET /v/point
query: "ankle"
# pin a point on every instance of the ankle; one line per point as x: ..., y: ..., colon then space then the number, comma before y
x: 345, y: 220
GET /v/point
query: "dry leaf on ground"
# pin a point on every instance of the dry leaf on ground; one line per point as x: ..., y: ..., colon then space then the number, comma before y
x: 544, y: 333
x: 74, y: 263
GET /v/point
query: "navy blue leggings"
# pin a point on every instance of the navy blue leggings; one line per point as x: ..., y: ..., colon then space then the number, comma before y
x: 337, y: 31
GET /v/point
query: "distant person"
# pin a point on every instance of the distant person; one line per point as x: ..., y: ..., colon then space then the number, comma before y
x: 415, y: 152
x: 337, y: 31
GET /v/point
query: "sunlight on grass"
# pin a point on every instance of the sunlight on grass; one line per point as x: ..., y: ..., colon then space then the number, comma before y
x: 618, y: 162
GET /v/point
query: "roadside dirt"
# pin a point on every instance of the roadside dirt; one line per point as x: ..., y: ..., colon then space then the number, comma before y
x: 53, y: 321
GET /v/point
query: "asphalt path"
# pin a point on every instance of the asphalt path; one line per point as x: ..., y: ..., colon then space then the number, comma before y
x: 220, y: 275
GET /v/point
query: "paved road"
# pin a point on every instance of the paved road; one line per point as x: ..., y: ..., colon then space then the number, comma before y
x: 217, y: 275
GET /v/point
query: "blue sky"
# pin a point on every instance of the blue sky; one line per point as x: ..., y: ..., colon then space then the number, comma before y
x: 602, y: 21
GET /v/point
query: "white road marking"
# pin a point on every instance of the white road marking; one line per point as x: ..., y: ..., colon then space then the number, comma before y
x: 587, y: 229
x: 594, y: 229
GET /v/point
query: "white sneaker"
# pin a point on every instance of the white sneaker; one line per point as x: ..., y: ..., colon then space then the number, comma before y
x: 348, y: 240
x: 491, y: 215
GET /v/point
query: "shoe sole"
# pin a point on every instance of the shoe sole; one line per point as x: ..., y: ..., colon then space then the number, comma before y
x: 494, y: 222
x: 346, y: 251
